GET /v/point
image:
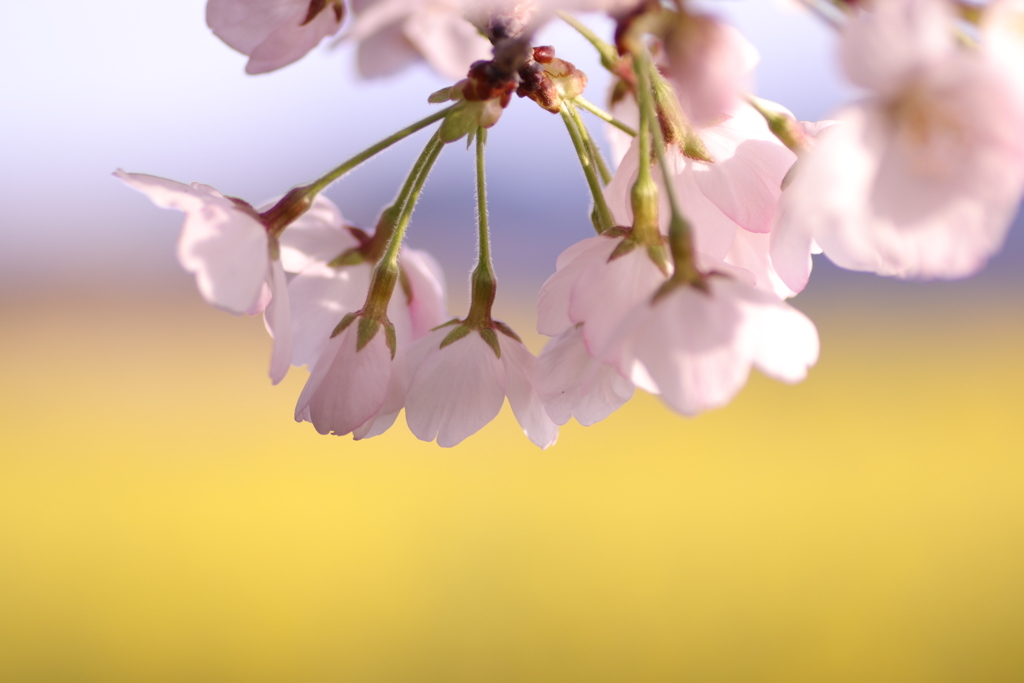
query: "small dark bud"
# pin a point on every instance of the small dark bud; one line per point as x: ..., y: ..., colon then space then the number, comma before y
x: 544, y: 54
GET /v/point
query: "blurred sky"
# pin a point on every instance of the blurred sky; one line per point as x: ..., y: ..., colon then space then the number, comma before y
x: 91, y: 87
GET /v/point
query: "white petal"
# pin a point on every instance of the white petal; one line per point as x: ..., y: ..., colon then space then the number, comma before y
x: 347, y: 387
x: 520, y: 369
x: 449, y: 43
x: 291, y: 39
x: 320, y: 297
x: 745, y: 180
x: 429, y: 305
x: 553, y: 302
x: 570, y: 382
x: 455, y: 391
x: 277, y: 317
x: 317, y: 236
x: 605, y: 294
x: 222, y: 245
x: 388, y: 412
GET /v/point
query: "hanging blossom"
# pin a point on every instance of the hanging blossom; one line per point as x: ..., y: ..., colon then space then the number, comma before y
x: 710, y: 64
x: 458, y: 388
x: 273, y: 33
x: 227, y: 247
x: 323, y: 292
x: 922, y: 178
x: 730, y: 185
x: 353, y: 390
x: 694, y: 345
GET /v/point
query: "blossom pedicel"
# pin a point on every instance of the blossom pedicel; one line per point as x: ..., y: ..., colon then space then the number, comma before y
x: 705, y: 227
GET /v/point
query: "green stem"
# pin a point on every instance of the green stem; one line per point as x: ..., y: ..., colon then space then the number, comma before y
x: 680, y: 234
x: 595, y: 153
x: 390, y: 216
x: 784, y: 127
x: 604, y: 215
x: 318, y: 185
x: 604, y: 116
x: 484, y: 284
x: 484, y: 260
x: 424, y: 164
x: 609, y: 55
x: 386, y: 273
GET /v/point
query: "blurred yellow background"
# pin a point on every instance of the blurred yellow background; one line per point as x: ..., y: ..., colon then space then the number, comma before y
x: 162, y: 518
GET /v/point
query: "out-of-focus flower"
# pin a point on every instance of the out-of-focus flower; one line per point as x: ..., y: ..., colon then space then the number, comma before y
x: 274, y: 33
x: 922, y: 179
x: 456, y: 390
x: 227, y: 248
x: 392, y: 34
x: 709, y: 64
x: 695, y: 347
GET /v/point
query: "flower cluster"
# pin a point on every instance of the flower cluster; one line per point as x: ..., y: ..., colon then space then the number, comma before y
x: 704, y: 229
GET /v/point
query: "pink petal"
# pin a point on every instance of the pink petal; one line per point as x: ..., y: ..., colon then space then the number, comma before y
x: 429, y: 305
x: 346, y: 387
x: 520, y: 369
x: 449, y: 43
x: 745, y: 180
x: 570, y: 382
x: 553, y: 302
x: 291, y: 40
x: 607, y: 292
x: 277, y: 317
x: 224, y: 247
x: 455, y: 391
x: 388, y: 413
x: 320, y: 297
x: 317, y: 236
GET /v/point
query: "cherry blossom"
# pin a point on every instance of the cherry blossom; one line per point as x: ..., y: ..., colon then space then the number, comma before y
x: 590, y: 287
x: 572, y: 383
x: 321, y: 294
x: 696, y: 347
x: 730, y: 200
x: 393, y: 34
x: 922, y: 179
x: 710, y: 65
x: 458, y: 389
x: 273, y: 33
x: 353, y: 390
x: 227, y: 248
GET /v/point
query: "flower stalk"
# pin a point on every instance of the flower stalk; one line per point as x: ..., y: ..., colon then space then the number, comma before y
x: 484, y: 283
x: 604, y: 116
x: 680, y: 234
x: 300, y: 198
x: 595, y: 153
x: 386, y: 273
x: 602, y: 214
